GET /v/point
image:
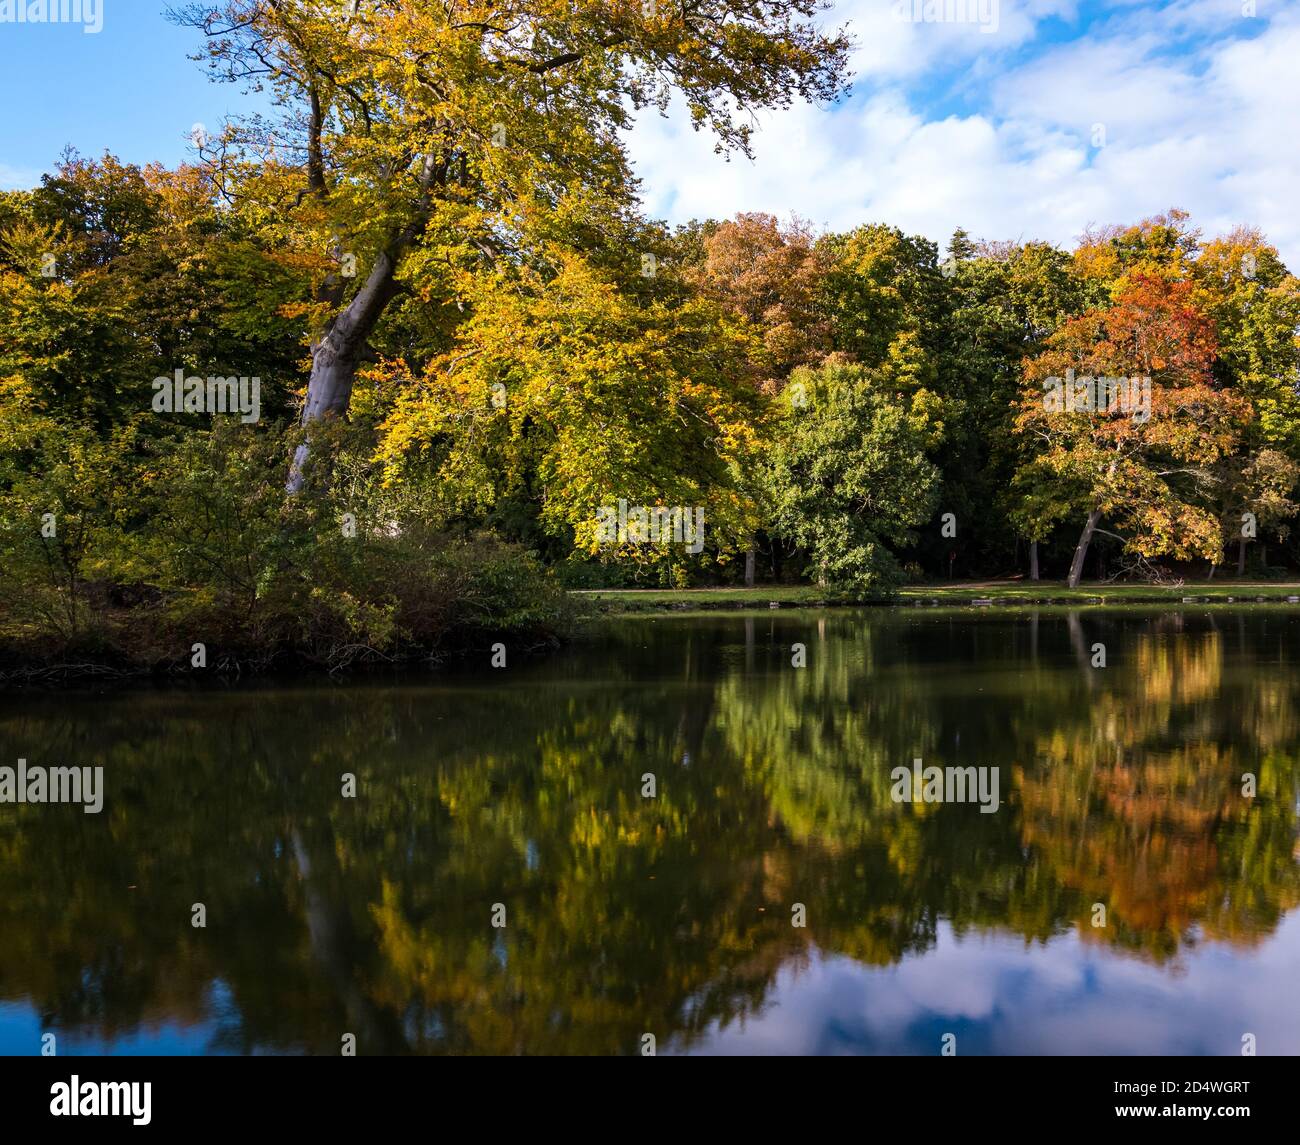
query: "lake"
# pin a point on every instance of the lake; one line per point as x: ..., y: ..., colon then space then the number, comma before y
x: 649, y: 812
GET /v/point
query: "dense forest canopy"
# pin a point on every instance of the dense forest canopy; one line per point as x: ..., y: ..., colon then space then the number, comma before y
x: 470, y: 347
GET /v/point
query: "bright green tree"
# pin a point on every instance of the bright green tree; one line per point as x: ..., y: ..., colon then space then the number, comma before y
x: 848, y: 478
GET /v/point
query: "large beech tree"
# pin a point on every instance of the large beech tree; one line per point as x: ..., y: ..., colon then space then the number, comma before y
x: 432, y: 133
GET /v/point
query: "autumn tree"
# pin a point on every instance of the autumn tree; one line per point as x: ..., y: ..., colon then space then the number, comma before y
x: 1146, y: 466
x: 1107, y: 259
x: 1254, y: 302
x: 1004, y: 300
x: 574, y: 389
x: 884, y: 297
x: 432, y: 137
x: 770, y: 277
x: 112, y: 275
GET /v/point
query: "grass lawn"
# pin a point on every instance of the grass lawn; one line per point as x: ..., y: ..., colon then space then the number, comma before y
x: 963, y: 592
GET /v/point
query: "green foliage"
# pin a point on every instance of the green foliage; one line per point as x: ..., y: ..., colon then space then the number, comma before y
x: 65, y: 499
x: 155, y: 546
x: 847, y: 478
x: 818, y: 397
x: 569, y: 390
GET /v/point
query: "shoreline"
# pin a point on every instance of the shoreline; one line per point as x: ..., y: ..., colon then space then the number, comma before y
x: 21, y: 672
x: 982, y: 594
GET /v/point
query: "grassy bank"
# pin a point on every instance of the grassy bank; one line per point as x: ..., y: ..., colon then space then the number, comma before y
x: 977, y: 594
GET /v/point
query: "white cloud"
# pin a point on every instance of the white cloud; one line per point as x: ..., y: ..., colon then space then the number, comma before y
x: 1194, y: 116
x: 896, y: 38
x: 1013, y: 997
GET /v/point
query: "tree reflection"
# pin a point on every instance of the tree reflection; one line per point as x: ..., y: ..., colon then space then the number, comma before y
x: 627, y: 914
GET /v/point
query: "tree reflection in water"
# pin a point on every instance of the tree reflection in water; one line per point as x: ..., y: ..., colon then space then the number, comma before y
x: 326, y: 915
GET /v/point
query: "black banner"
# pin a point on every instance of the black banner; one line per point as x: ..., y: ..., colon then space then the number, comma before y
x: 170, y: 1094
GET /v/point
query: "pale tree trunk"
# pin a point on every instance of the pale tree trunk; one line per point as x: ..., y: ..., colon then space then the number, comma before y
x: 749, y: 568
x: 1033, y: 560
x: 335, y: 356
x: 1081, y: 549
x: 329, y: 938
x: 1080, y: 646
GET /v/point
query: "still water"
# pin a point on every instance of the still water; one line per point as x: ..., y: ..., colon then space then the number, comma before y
x: 672, y: 915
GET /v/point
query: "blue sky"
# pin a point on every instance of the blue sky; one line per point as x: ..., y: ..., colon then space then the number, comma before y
x: 1017, y: 119
x: 129, y: 89
x: 1037, y: 121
